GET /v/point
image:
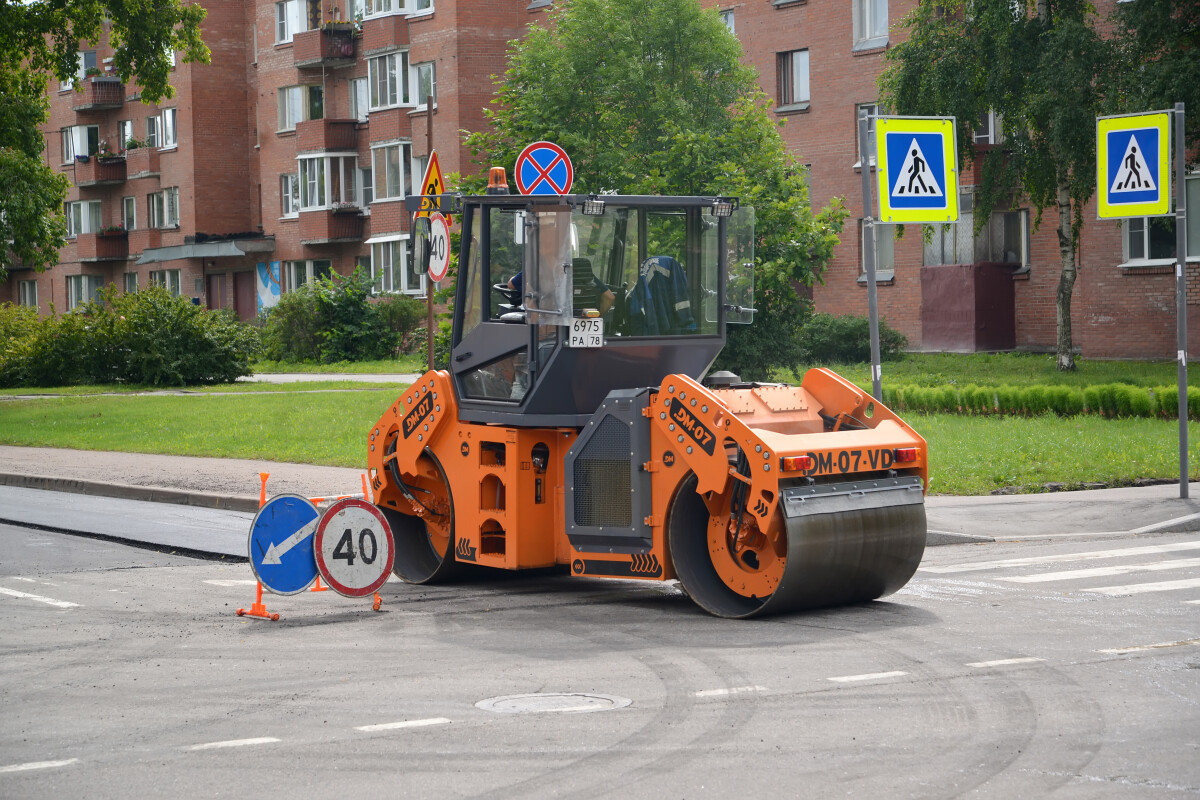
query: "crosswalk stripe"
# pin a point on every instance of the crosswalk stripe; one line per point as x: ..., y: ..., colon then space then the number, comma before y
x: 870, y: 676
x: 38, y: 765
x: 1004, y: 662
x: 1100, y: 572
x: 1144, y: 647
x: 50, y: 601
x: 1142, y: 588
x: 977, y: 566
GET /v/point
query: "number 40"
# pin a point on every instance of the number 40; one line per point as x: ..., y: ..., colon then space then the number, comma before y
x: 366, y: 540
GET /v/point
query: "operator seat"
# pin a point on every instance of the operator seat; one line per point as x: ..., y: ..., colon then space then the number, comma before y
x: 660, y: 304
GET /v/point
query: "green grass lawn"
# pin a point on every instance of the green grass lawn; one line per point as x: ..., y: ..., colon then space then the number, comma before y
x: 241, y: 387
x: 968, y: 455
x: 405, y: 364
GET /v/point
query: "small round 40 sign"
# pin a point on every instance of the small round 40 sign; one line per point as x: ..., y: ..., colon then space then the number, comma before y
x: 354, y: 548
x: 439, y: 246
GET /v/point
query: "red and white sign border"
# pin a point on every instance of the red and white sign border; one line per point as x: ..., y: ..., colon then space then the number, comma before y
x: 439, y: 270
x: 544, y: 173
x: 318, y: 552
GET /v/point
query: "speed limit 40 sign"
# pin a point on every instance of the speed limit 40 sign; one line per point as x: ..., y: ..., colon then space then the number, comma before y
x: 354, y: 548
x: 439, y: 246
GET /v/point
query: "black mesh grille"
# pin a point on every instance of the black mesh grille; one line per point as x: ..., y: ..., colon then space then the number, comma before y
x: 602, y: 474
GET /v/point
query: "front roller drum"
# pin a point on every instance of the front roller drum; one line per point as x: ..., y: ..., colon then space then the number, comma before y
x: 424, y: 543
x: 826, y: 545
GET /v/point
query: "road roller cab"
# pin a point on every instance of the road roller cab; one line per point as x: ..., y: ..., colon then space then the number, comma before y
x: 573, y: 426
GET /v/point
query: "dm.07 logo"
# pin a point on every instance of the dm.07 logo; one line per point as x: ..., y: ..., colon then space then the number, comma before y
x: 420, y: 411
x: 692, y: 426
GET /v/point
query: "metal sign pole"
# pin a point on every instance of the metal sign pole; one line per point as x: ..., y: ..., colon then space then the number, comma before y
x: 428, y: 282
x: 869, y: 254
x: 1181, y: 295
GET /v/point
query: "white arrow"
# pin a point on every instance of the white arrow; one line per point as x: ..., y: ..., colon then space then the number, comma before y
x: 276, y: 550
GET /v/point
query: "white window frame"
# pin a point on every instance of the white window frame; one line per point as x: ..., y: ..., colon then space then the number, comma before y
x: 124, y: 133
x: 163, y: 208
x: 382, y: 8
x: 79, y: 140
x: 295, y: 105
x: 169, y: 129
x: 323, y: 183
x: 360, y: 99
x: 131, y: 282
x: 82, y: 289
x: 289, y: 195
x: 885, y: 249
x: 82, y: 59
x: 870, y: 24
x: 153, y: 131
x: 83, y: 216
x: 169, y: 279
x: 385, y: 251
x: 388, y: 80
x: 1135, y: 228
x: 366, y: 188
x: 417, y: 83
x: 380, y: 163
x: 27, y: 293
x: 419, y: 163
x: 794, y: 80
x: 307, y: 270
x: 872, y: 114
x: 129, y: 213
x: 727, y: 18
x: 987, y: 130
x: 287, y: 20
x: 422, y: 7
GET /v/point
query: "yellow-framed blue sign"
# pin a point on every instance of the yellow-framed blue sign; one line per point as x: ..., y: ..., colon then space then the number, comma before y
x: 1133, y: 165
x: 917, y: 169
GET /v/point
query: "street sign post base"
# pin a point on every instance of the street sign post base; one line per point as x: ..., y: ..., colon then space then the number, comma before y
x: 258, y: 609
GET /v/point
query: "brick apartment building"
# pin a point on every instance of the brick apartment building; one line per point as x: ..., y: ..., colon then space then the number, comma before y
x: 288, y: 156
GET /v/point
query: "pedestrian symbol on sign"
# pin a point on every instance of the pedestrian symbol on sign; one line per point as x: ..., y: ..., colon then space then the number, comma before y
x: 1134, y: 174
x: 915, y: 178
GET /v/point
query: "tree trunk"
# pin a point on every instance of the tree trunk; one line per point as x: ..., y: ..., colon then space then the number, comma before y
x: 1066, y: 282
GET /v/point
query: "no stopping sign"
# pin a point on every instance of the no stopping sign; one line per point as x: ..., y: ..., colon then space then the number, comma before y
x: 354, y: 548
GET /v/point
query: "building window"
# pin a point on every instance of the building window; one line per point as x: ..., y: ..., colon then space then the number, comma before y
x: 392, y: 270
x: 388, y: 78
x: 987, y: 130
x: 85, y: 60
x: 1003, y: 240
x: 124, y: 133
x: 885, y: 249
x: 355, y: 9
x: 872, y: 110
x: 82, y: 289
x: 168, y: 279
x: 328, y: 181
x: 287, y: 20
x: 388, y: 168
x: 426, y: 84
x: 870, y: 24
x: 128, y: 213
x: 1153, y: 238
x: 79, y: 140
x: 727, y: 18
x: 168, y: 137
x: 793, y: 80
x: 83, y: 216
x: 419, y: 163
x: 152, y: 131
x: 366, y: 188
x: 27, y: 293
x: 301, y: 272
x: 423, y: 5
x: 131, y: 282
x: 289, y: 195
x: 299, y: 103
x: 376, y: 7
x: 359, y: 104
x: 164, y: 208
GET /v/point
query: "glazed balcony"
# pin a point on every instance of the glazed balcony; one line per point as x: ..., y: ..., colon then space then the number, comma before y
x: 97, y: 171
x: 113, y: 246
x: 326, y: 135
x: 99, y: 94
x: 323, y: 49
x: 141, y: 162
x: 331, y: 226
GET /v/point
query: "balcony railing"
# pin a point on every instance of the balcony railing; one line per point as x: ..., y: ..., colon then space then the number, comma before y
x: 384, y: 33
x: 330, y: 226
x: 100, y: 171
x: 99, y: 94
x: 329, y: 49
x: 102, y: 246
x: 141, y: 162
x: 319, y: 135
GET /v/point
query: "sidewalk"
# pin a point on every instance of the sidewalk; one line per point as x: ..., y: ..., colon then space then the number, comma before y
x: 233, y: 484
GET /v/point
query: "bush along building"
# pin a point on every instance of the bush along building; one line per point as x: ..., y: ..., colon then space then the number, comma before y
x: 289, y: 155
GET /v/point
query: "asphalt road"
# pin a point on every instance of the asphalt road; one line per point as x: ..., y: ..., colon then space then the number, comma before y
x: 1073, y: 671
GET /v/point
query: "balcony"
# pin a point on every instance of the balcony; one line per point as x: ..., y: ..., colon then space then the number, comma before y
x: 326, y: 49
x: 331, y: 226
x: 102, y: 246
x: 384, y: 33
x: 326, y: 135
x: 97, y: 171
x: 141, y: 162
x: 99, y: 94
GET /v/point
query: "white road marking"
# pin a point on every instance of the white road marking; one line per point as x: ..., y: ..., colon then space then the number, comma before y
x: 233, y: 743
x: 1100, y: 572
x: 1145, y: 647
x: 1003, y: 662
x: 1085, y: 556
x: 50, y: 601
x: 19, y: 578
x: 1193, y: 602
x: 733, y: 690
x: 233, y: 582
x: 37, y: 765
x: 1142, y: 588
x: 410, y: 723
x: 870, y: 676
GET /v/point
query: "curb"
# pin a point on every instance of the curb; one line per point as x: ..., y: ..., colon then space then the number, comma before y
x: 153, y: 494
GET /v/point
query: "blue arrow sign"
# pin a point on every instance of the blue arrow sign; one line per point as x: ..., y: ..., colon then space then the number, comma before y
x: 281, y: 544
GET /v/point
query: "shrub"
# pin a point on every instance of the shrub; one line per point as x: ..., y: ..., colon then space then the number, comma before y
x: 1033, y: 400
x: 1193, y: 401
x: 1122, y: 399
x: 947, y: 400
x: 401, y: 314
x: 1008, y: 400
x: 1166, y: 399
x: 1140, y: 404
x: 291, y: 330
x: 1091, y: 399
x: 846, y: 339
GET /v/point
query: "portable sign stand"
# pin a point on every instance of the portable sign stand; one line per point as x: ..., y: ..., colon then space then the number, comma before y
x: 917, y: 172
x: 1133, y: 179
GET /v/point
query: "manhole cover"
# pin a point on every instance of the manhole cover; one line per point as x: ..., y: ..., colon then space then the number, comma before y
x: 553, y: 702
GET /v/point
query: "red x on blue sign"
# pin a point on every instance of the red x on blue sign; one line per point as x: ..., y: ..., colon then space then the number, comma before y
x: 544, y: 168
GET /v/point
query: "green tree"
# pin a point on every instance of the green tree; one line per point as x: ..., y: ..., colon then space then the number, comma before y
x: 652, y: 97
x: 1157, y: 44
x: 1045, y: 71
x: 41, y: 39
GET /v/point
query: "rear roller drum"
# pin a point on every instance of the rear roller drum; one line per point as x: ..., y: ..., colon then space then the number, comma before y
x: 424, y: 544
x: 832, y: 549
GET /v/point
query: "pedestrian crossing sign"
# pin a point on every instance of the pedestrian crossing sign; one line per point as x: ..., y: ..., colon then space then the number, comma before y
x: 1133, y: 173
x: 917, y: 169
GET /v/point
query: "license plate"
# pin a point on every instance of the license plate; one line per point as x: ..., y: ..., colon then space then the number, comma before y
x: 586, y: 333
